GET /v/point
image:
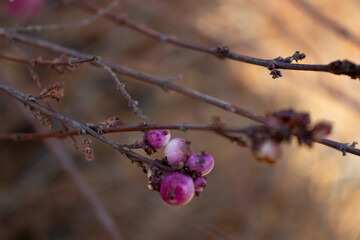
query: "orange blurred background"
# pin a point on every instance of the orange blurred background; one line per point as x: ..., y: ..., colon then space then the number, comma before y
x: 309, y: 194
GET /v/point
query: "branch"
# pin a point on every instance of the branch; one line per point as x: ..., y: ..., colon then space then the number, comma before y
x: 58, y: 150
x: 39, y: 61
x: 220, y: 51
x: 164, y: 83
x: 141, y: 128
x: 121, y: 86
x: 135, y: 157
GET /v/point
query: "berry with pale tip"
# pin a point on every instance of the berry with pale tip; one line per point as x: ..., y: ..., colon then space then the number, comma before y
x: 177, y: 152
x: 158, y: 138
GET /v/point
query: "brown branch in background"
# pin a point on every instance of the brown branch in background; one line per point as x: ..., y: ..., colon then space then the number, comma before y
x: 85, y: 189
x: 328, y: 22
x: 220, y: 51
x: 63, y: 26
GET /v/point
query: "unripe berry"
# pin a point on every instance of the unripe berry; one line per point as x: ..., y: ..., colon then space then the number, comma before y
x: 158, y: 138
x: 268, y: 151
x: 177, y: 151
x: 25, y: 8
x: 177, y: 189
x: 201, y: 163
x: 200, y: 184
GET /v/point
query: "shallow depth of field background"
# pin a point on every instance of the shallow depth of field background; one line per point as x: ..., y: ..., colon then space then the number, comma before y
x: 309, y: 194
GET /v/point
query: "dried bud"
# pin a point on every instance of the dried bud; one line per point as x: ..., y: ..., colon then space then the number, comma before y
x: 274, y: 72
x: 222, y: 50
x: 321, y: 130
x: 114, y: 121
x: 55, y: 91
x: 88, y: 150
x: 298, y: 56
x: 274, y: 122
x: 45, y: 122
x: 155, y: 177
x: 89, y: 153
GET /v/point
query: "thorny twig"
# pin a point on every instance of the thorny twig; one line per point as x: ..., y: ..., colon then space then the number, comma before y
x: 342, y: 67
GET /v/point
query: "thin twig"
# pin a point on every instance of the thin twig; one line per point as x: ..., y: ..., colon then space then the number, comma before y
x: 63, y: 157
x: 39, y: 61
x: 36, y: 78
x: 121, y: 86
x: 220, y: 51
x: 107, y: 130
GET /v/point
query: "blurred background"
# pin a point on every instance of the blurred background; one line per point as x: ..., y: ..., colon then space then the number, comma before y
x: 309, y: 194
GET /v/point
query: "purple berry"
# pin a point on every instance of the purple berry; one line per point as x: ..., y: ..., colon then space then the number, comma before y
x: 201, y: 163
x: 200, y: 184
x: 158, y: 138
x: 177, y: 189
x: 177, y: 151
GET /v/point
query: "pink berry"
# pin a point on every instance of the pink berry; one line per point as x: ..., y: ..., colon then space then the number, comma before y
x: 177, y: 151
x: 158, y: 138
x: 201, y: 163
x: 268, y: 151
x: 25, y: 8
x: 177, y: 189
x: 200, y: 184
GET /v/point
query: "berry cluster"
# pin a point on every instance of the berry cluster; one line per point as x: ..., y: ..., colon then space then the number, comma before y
x: 188, y: 178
